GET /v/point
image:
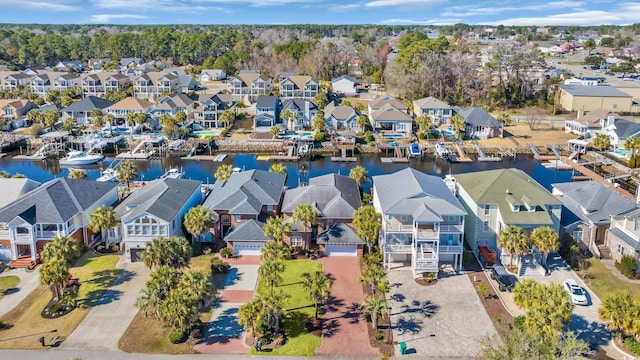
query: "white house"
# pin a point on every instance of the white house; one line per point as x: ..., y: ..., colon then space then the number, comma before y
x: 344, y: 85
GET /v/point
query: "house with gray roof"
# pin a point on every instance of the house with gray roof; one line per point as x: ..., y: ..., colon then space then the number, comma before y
x: 60, y: 207
x: 623, y: 236
x: 210, y: 109
x: 340, y: 239
x: 69, y: 65
x: 587, y: 210
x: 247, y: 237
x: 253, y: 194
x: 304, y: 108
x: 171, y: 105
x: 439, y: 111
x: 81, y: 110
x: 479, y: 124
x: 496, y: 199
x: 14, y: 188
x: 334, y: 197
x: 267, y: 113
x: 344, y: 84
x: 154, y: 210
x: 207, y: 75
x: 341, y: 117
x: 619, y: 129
x: 127, y: 63
x: 422, y: 221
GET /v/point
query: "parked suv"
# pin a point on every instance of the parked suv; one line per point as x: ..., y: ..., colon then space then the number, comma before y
x: 500, y: 274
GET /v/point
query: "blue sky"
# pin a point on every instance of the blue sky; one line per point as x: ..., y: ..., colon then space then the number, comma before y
x: 389, y: 12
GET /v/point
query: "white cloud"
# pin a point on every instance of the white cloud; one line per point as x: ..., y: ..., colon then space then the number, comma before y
x: 256, y: 3
x: 467, y: 11
x: 381, y: 3
x: 154, y: 5
x: 108, y: 18
x: 340, y: 8
x: 582, y: 18
x: 420, y: 22
x: 40, y: 5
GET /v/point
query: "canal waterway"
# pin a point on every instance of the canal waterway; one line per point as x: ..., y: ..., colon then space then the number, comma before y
x: 298, y: 172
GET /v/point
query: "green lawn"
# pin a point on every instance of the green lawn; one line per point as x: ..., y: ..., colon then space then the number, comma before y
x: 25, y: 323
x: 8, y: 282
x: 299, y: 308
x: 604, y: 282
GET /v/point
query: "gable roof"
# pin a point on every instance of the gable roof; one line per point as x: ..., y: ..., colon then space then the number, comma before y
x: 431, y: 103
x: 411, y: 192
x: 162, y: 198
x: 266, y: 101
x: 131, y: 103
x: 339, y: 233
x: 591, y: 201
x: 503, y: 185
x: 299, y: 80
x: 334, y: 196
x: 625, y: 128
x: 15, y: 103
x: 384, y: 100
x: 388, y: 112
x: 341, y: 112
x: 297, y: 104
x: 344, y: 77
x: 246, y: 192
x: 476, y: 116
x: 249, y: 230
x: 89, y: 103
x: 56, y: 201
x: 249, y: 76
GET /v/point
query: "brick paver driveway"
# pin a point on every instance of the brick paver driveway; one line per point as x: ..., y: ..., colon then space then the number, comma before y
x: 344, y: 330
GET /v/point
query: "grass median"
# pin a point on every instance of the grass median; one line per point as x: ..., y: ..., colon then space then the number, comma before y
x: 7, y: 283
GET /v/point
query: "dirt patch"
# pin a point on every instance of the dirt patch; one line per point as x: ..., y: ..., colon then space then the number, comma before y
x: 314, y: 326
x: 382, y: 337
x: 492, y: 304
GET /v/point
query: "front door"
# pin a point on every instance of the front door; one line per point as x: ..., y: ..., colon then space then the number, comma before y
x: 23, y: 250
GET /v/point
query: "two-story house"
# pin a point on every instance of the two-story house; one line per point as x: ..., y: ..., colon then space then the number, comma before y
x: 587, y: 123
x: 479, y: 124
x: 171, y: 105
x: 439, y: 111
x: 210, y: 109
x: 81, y: 110
x: 267, y: 113
x: 496, y: 199
x: 99, y: 83
x: 253, y: 194
x: 623, y: 235
x: 619, y: 129
x: 248, y: 83
x: 335, y: 198
x: 15, y: 81
x: 154, y: 210
x: 60, y: 207
x: 128, y: 105
x: 12, y: 110
x: 422, y: 221
x: 304, y: 108
x: 340, y: 117
x: 387, y: 113
x: 64, y: 82
x: 154, y: 84
x: 298, y: 86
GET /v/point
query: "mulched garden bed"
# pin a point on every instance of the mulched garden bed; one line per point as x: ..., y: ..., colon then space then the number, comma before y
x: 384, y: 343
x: 423, y: 282
x: 314, y: 326
x: 496, y: 311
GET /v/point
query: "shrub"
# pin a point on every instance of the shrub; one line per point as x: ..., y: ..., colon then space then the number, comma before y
x: 629, y: 265
x: 632, y: 345
x: 368, y: 136
x: 484, y: 291
x: 319, y: 136
x: 518, y: 322
x: 115, y: 248
x: 226, y: 252
x: 422, y: 135
x: 378, y: 335
x: 219, y: 266
x: 176, y: 336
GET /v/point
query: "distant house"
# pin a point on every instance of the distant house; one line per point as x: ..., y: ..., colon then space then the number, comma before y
x: 81, y: 110
x: 67, y: 81
x: 13, y: 110
x: 267, y: 113
x: 344, y: 85
x: 127, y: 63
x: 422, y: 221
x: 439, y: 111
x: 212, y: 75
x: 479, y: 124
x: 623, y: 236
x: 496, y: 199
x: 304, y: 108
x: 298, y: 86
x: 589, y: 98
x: 210, y: 109
x: 187, y: 84
x: 13, y: 81
x: 619, y: 129
x: 585, y: 123
x: 249, y: 83
x: 154, y: 84
x: 60, y: 207
x: 253, y: 194
x: 99, y: 83
x: 72, y: 66
x: 587, y: 211
x: 129, y: 105
x: 341, y: 117
x: 335, y: 198
x: 389, y: 114
x: 171, y: 105
x: 154, y: 210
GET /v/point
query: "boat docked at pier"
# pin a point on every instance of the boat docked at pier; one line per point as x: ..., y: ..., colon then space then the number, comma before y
x: 80, y: 158
x: 442, y: 150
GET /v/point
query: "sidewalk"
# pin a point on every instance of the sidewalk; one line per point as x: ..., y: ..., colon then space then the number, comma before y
x: 611, y: 265
x: 29, y: 281
x: 103, y: 327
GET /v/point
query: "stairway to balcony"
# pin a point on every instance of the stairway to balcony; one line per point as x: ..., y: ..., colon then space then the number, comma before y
x: 23, y: 262
x: 529, y: 267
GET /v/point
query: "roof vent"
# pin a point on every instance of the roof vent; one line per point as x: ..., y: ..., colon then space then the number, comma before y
x: 508, y: 192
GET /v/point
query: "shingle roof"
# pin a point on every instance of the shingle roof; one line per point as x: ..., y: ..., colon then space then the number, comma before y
x: 339, y: 234
x: 246, y: 192
x: 350, y: 78
x: 598, y: 91
x: 411, y: 192
x: 300, y: 80
x: 334, y: 196
x: 495, y: 186
x: 591, y: 201
x: 57, y: 201
x: 89, y: 103
x: 249, y: 230
x: 14, y: 188
x: 341, y: 112
x: 131, y: 103
x: 388, y: 112
x: 298, y: 104
x: 162, y: 198
x: 478, y: 117
x: 620, y: 234
x: 382, y: 101
x: 266, y: 101
x: 431, y: 103
x: 625, y: 128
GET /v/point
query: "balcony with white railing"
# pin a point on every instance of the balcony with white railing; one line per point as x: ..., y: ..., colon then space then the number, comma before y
x: 451, y: 248
x: 23, y: 238
x: 451, y: 228
x: 426, y: 234
x: 395, y: 225
x: 392, y: 244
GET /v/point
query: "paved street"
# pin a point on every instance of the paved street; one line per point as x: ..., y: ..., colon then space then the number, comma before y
x: 28, y: 282
x: 103, y: 327
x: 445, y: 320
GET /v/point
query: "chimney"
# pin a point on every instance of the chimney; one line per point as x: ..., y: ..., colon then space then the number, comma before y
x: 580, y: 114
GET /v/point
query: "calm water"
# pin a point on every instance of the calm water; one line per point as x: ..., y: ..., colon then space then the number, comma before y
x: 299, y: 171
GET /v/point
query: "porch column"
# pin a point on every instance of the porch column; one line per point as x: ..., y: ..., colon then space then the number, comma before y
x: 32, y: 246
x: 14, y: 250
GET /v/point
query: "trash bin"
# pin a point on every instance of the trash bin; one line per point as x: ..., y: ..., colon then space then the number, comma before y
x: 403, y: 348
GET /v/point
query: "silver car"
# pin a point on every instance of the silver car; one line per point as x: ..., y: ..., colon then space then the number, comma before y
x: 577, y: 293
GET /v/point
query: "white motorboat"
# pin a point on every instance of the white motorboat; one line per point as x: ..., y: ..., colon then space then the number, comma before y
x: 108, y: 174
x: 442, y: 150
x: 303, y: 150
x: 172, y: 174
x: 80, y: 158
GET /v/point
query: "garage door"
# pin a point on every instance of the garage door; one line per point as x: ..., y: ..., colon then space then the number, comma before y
x: 136, y: 255
x: 247, y: 248
x: 5, y: 252
x: 341, y: 250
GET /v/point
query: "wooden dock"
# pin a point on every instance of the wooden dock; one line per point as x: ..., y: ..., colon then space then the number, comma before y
x: 394, y: 160
x: 145, y: 155
x: 30, y: 157
x: 284, y: 158
x: 220, y: 157
x: 344, y: 158
x: 462, y: 155
x: 594, y: 176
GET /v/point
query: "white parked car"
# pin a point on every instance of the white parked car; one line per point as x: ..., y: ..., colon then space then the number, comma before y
x: 577, y: 293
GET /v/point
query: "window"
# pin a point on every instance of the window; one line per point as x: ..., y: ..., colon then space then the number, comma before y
x: 329, y: 222
x: 515, y: 208
x: 237, y: 218
x: 269, y: 207
x: 452, y: 218
x: 146, y: 230
x: 620, y: 249
x: 226, y: 219
x: 154, y: 230
x: 485, y: 226
x: 577, y: 234
x: 487, y: 210
x: 49, y: 227
x: 296, y: 240
x: 129, y: 229
x: 403, y: 217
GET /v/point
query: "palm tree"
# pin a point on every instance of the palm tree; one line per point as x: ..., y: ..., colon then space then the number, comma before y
x: 290, y: 118
x: 306, y: 214
x: 513, y: 241
x: 363, y: 122
x: 273, y: 305
x: 140, y: 118
x: 614, y: 311
x: 278, y: 168
x: 181, y: 117
x: 423, y: 121
x: 77, y: 174
x: 51, y: 118
x: 174, y: 252
x: 127, y: 171
x: 457, y: 122
x: 130, y: 118
x: 97, y: 112
x: 227, y: 117
x: 197, y: 284
x: 250, y: 316
x: 318, y: 287
x: 375, y: 307
x: 526, y: 293
x: 601, y: 141
x: 368, y: 223
x: 54, y: 273
x: 269, y: 273
x: 275, y: 251
x: 178, y: 310
x: 102, y: 219
x: 372, y: 275
x: 359, y: 174
x: 320, y: 100
x: 62, y: 248
x: 99, y: 121
x: 34, y: 116
x: 546, y: 240
x: 198, y: 220
x: 274, y: 130
x: 223, y: 172
x: 318, y: 123
x: 277, y: 228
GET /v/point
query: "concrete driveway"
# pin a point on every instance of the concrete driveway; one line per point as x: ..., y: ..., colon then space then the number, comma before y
x: 103, y: 327
x: 445, y: 320
x: 28, y: 282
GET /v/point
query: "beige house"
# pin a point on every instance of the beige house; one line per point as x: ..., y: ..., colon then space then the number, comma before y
x: 589, y: 98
